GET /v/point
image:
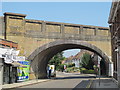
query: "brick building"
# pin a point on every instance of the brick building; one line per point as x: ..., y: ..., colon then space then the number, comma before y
x: 114, y: 21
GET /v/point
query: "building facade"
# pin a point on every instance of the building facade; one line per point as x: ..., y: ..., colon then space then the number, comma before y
x: 114, y: 21
x: 8, y: 71
x: 8, y: 62
x: 77, y: 58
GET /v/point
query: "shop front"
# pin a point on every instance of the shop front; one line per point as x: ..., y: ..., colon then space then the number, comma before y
x: 10, y: 72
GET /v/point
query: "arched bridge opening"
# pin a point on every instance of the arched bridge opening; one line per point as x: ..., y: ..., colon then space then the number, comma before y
x: 40, y: 57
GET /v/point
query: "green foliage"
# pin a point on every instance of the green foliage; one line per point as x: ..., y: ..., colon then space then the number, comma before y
x: 72, y: 69
x: 82, y: 70
x: 76, y: 67
x: 68, y: 70
x: 85, y: 71
x: 56, y: 60
x: 61, y: 67
x: 71, y: 65
x: 86, y: 61
x: 91, y: 72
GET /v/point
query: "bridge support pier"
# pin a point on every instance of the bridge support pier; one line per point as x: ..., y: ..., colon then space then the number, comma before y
x: 42, y: 71
x: 38, y: 75
x: 42, y: 76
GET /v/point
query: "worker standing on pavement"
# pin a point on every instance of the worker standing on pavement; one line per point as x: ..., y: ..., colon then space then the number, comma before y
x: 50, y: 73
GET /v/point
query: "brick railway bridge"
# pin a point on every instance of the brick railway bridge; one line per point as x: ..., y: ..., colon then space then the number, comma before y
x: 40, y: 40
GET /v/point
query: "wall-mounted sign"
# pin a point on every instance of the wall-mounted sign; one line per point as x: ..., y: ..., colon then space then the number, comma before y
x: 9, y: 51
x: 18, y: 58
x: 23, y: 73
x: 10, y: 55
x: 8, y: 59
x: 15, y: 52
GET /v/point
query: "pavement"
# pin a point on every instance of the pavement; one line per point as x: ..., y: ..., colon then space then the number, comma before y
x: 104, y: 83
x: 25, y: 83
x: 20, y: 84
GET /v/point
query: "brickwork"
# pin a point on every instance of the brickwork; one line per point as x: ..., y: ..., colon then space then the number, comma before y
x: 30, y: 34
x: 2, y: 27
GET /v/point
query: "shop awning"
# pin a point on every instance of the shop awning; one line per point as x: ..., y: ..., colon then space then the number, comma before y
x: 17, y: 64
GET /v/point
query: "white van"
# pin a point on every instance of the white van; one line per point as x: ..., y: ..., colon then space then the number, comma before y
x: 53, y: 72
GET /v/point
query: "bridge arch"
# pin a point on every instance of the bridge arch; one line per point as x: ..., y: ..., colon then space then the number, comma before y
x: 40, y: 57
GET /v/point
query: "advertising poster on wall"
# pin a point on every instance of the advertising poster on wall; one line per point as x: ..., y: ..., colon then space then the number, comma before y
x: 23, y: 72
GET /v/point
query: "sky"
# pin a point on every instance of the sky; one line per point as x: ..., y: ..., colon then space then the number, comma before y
x: 86, y: 13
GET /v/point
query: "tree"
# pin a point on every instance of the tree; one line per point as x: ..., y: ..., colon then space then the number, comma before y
x: 56, y: 60
x: 86, y: 61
